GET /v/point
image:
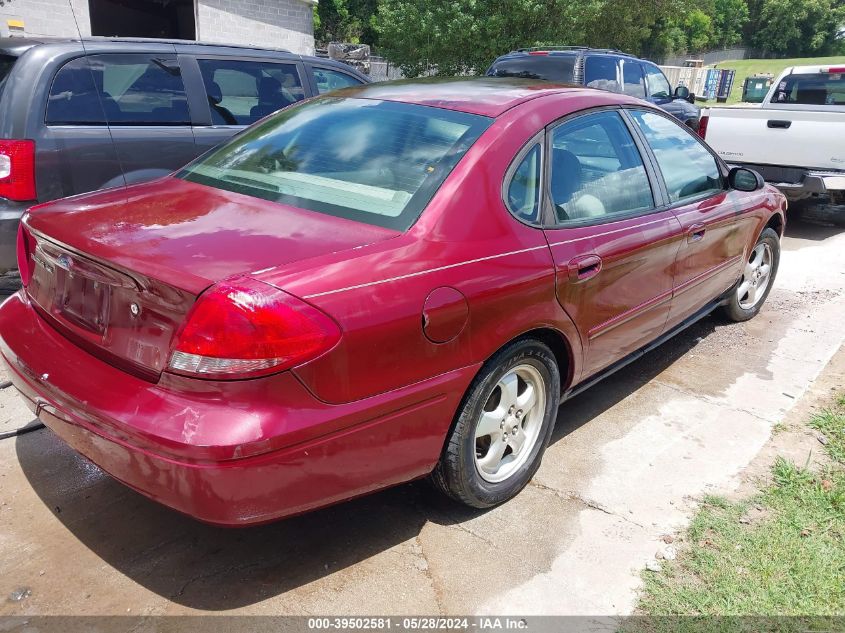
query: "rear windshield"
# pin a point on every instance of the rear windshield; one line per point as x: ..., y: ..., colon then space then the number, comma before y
x: 811, y: 89
x: 6, y: 64
x: 376, y: 162
x: 557, y: 67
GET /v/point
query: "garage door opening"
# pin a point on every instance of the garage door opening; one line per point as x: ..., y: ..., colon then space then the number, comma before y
x: 172, y: 19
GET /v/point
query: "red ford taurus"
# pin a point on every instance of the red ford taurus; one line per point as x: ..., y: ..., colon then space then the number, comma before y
x: 391, y: 282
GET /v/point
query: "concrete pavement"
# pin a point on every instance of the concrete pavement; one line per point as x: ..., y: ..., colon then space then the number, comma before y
x: 627, y: 460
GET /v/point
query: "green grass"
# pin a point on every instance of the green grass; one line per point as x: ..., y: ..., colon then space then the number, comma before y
x: 746, y: 67
x: 781, y: 553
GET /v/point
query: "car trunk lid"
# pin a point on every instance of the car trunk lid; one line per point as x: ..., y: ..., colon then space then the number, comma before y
x: 117, y: 271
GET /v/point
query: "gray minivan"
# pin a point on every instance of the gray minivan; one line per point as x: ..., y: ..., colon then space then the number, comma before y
x: 79, y: 115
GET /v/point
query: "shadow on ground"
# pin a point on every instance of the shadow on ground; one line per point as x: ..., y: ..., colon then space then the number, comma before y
x: 177, y: 557
x: 213, y: 569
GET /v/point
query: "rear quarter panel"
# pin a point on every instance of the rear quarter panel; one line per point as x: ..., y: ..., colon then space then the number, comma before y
x: 466, y: 240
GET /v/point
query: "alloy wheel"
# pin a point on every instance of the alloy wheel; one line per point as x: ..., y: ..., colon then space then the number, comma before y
x: 510, y: 423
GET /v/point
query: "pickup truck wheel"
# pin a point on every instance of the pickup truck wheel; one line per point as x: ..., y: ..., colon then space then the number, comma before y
x: 502, y: 428
x: 749, y: 294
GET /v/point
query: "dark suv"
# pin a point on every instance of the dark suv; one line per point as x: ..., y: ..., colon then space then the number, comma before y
x: 600, y: 68
x: 76, y: 116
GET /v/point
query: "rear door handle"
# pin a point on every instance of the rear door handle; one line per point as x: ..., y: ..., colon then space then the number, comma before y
x: 696, y: 233
x: 774, y: 123
x: 584, y: 268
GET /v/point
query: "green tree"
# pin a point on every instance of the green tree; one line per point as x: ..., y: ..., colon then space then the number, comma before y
x: 465, y: 36
x: 729, y: 18
x: 334, y: 22
x: 698, y: 27
x: 799, y: 27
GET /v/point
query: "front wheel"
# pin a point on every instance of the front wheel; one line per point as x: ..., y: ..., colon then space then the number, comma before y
x: 502, y: 428
x: 747, y: 298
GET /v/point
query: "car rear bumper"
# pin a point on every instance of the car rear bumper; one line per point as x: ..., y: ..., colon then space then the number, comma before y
x: 228, y: 453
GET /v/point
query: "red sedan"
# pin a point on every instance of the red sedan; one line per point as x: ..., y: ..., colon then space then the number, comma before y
x: 390, y: 282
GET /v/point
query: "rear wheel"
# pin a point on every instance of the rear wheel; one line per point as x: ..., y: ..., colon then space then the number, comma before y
x: 502, y: 428
x: 747, y: 298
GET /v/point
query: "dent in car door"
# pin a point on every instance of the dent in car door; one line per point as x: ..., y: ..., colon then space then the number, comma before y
x: 613, y: 252
x: 715, y: 230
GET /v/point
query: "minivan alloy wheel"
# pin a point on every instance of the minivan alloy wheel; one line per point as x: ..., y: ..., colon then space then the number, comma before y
x: 510, y: 423
x: 755, y: 277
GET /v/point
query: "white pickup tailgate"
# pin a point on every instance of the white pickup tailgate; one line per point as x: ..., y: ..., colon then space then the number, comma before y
x: 778, y: 136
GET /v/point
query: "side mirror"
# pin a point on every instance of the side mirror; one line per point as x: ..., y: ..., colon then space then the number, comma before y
x: 744, y: 179
x: 682, y: 92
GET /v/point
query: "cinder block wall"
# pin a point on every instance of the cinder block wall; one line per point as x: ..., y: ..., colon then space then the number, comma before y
x: 46, y: 17
x: 273, y: 23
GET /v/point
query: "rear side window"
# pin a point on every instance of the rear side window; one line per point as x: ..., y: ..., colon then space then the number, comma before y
x: 596, y: 170
x: 633, y: 82
x: 656, y: 83
x: 524, y: 188
x: 557, y: 67
x: 118, y: 90
x: 241, y: 92
x: 328, y: 80
x: 377, y: 162
x: 812, y: 89
x: 689, y: 170
x: 600, y: 72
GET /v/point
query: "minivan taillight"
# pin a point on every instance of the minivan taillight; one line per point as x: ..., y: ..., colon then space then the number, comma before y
x: 25, y: 249
x: 246, y: 328
x: 17, y: 170
x: 702, y: 125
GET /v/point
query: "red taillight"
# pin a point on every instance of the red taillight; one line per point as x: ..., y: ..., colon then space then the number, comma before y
x: 835, y: 69
x: 246, y: 328
x: 17, y: 170
x: 26, y: 247
x: 538, y: 52
x: 702, y: 125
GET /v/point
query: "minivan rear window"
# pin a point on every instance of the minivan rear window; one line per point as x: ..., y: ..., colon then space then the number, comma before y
x: 376, y: 162
x: 557, y: 67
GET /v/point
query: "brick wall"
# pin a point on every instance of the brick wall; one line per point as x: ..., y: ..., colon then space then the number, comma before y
x: 272, y: 23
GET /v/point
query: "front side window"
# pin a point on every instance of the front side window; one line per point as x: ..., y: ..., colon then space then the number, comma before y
x: 118, y: 90
x: 241, y: 92
x: 376, y: 162
x: 656, y: 83
x: 524, y: 187
x: 328, y: 80
x: 689, y: 170
x: 812, y: 89
x: 596, y: 170
x: 600, y: 71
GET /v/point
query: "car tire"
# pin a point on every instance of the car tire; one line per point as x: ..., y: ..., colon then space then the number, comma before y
x: 523, y: 372
x: 749, y: 294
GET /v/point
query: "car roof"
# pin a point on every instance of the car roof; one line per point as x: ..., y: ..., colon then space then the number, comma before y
x: 566, y: 50
x: 24, y: 43
x: 486, y: 96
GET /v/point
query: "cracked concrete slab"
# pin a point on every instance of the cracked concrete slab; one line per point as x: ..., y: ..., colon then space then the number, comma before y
x: 627, y: 460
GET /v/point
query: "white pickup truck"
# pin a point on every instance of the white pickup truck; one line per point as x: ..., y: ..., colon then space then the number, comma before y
x: 795, y: 139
